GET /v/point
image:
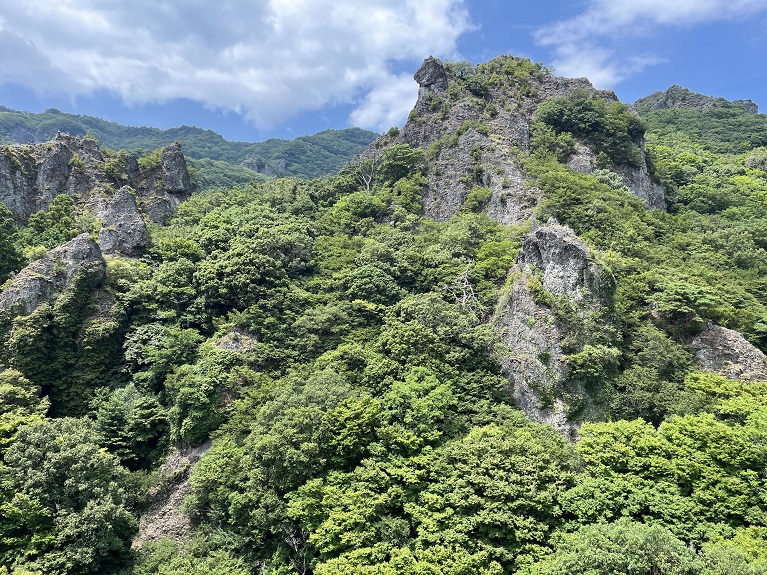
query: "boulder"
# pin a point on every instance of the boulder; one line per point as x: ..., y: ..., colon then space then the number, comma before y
x: 41, y: 280
x: 728, y: 353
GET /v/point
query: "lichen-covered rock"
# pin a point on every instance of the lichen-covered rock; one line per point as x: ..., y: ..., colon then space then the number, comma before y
x: 123, y: 230
x: 728, y: 353
x: 554, y: 262
x: 535, y: 365
x: 56, y: 271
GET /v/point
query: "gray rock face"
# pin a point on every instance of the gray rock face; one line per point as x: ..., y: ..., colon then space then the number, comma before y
x: 31, y: 176
x: 43, y: 278
x: 637, y: 180
x: 678, y: 97
x: 162, y: 189
x: 536, y: 364
x: 164, y: 518
x: 728, y: 353
x: 475, y: 140
x: 563, y: 262
x: 748, y: 105
x: 432, y: 76
x: 123, y: 230
x: 175, y: 177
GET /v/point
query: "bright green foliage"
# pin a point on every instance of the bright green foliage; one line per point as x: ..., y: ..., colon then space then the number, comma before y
x: 53, y: 226
x: 612, y: 130
x: 20, y: 404
x: 10, y: 256
x: 545, y: 140
x: 620, y: 547
x: 724, y: 130
x: 165, y: 558
x: 482, y: 499
x: 695, y: 474
x: 63, y: 501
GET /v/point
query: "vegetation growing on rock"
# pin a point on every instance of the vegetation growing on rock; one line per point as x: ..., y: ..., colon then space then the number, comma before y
x: 352, y: 359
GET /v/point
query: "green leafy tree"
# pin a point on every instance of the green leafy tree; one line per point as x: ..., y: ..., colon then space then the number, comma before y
x: 10, y: 256
x: 64, y: 501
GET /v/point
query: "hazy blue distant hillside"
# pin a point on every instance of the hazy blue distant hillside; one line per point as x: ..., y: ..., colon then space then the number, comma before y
x: 305, y: 157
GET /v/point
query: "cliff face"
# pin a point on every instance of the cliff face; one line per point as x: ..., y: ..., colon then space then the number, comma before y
x: 31, y: 176
x: 53, y: 273
x: 473, y: 125
x: 726, y: 352
x: 555, y: 305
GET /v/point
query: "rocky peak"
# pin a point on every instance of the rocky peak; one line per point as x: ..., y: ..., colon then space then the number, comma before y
x: 432, y: 76
x: 32, y: 175
x: 678, y: 97
x: 474, y: 120
x: 175, y: 176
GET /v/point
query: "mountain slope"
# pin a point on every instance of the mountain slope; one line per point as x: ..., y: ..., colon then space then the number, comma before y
x: 306, y: 156
x: 521, y: 335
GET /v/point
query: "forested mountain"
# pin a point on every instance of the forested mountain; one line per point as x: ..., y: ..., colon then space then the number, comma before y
x: 524, y: 334
x: 219, y: 161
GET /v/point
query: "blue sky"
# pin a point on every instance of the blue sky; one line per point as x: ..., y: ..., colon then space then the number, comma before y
x: 254, y: 69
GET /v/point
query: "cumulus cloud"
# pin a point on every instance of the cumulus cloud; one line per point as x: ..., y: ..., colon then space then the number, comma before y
x: 388, y: 103
x: 583, y: 45
x: 265, y: 59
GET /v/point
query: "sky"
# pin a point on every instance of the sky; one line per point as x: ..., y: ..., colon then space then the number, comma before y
x: 256, y: 69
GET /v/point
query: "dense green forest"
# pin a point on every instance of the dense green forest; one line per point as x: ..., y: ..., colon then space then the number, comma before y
x: 221, y: 162
x: 337, y: 346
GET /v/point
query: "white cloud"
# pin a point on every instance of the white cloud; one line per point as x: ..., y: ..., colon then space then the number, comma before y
x: 387, y: 104
x: 583, y: 45
x: 266, y: 59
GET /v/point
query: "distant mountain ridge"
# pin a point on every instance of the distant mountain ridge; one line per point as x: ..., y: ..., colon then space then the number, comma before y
x: 306, y: 156
x: 678, y: 97
x: 720, y: 125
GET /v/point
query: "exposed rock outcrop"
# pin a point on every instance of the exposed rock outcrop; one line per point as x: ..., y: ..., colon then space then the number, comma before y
x: 32, y: 175
x: 728, y: 353
x: 474, y: 127
x: 678, y: 97
x: 162, y: 188
x: 432, y: 76
x: 164, y: 518
x: 636, y: 179
x: 56, y: 271
x: 536, y: 364
x: 564, y: 264
x: 123, y: 230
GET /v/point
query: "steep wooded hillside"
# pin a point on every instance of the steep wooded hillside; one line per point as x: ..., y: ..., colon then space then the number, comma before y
x: 524, y: 334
